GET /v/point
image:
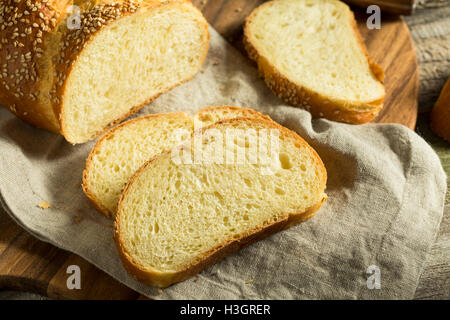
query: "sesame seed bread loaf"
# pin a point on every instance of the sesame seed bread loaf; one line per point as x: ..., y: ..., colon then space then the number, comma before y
x: 122, y: 150
x: 440, y: 115
x: 318, y: 61
x: 77, y: 77
x: 176, y: 218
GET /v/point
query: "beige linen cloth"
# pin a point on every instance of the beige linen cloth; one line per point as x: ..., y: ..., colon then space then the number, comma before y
x: 386, y: 190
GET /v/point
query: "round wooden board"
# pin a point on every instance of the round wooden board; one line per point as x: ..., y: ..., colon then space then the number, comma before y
x: 392, y: 48
x: 32, y: 265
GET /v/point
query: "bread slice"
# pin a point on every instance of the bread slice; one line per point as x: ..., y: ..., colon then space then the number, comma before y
x: 318, y: 61
x: 440, y: 115
x: 80, y: 77
x: 125, y: 148
x: 176, y: 218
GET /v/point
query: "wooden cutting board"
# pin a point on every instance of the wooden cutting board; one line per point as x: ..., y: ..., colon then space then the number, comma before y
x: 31, y: 265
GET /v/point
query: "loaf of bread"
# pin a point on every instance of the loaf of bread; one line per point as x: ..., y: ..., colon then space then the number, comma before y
x: 176, y: 218
x: 311, y: 54
x: 125, y: 148
x: 440, y: 115
x: 78, y: 69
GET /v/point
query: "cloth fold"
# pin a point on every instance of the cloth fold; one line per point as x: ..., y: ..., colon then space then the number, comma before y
x: 386, y: 190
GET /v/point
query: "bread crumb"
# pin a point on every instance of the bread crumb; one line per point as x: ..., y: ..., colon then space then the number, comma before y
x: 196, y: 279
x: 222, y: 87
x: 44, y: 205
x: 77, y: 219
x: 238, y: 9
x: 202, y: 71
x: 249, y: 281
x: 216, y: 63
x: 160, y: 291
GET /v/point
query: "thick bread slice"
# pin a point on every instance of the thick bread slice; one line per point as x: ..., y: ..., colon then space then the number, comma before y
x: 318, y: 60
x: 125, y: 148
x: 176, y: 218
x: 80, y: 76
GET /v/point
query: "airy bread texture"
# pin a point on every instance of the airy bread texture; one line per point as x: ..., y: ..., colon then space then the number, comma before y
x: 125, y: 148
x: 80, y: 80
x: 440, y: 115
x: 176, y: 218
x: 318, y: 61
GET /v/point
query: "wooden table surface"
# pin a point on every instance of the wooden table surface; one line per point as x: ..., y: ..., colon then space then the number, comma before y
x: 430, y: 28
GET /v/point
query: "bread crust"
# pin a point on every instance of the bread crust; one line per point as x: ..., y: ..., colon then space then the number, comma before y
x: 250, y: 113
x: 157, y: 278
x: 48, y: 60
x: 440, y: 115
x: 317, y: 104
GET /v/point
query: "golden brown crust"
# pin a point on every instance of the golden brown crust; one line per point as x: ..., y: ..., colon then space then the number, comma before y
x: 85, y: 184
x: 440, y: 115
x: 164, y: 279
x: 299, y: 96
